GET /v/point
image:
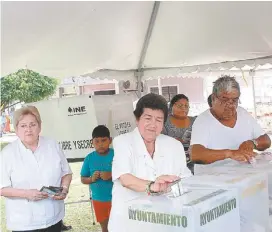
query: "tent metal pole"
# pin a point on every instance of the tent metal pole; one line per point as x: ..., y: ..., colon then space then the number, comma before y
x: 139, y: 72
x: 159, y: 86
x: 252, y: 74
x: 148, y: 34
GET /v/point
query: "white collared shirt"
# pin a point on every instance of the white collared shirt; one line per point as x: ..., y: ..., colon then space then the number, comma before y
x: 131, y: 156
x: 23, y: 169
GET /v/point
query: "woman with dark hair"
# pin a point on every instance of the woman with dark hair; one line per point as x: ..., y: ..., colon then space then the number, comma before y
x: 145, y: 161
x: 179, y: 125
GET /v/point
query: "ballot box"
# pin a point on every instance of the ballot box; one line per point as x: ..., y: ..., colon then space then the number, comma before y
x: 261, y: 164
x: 198, y: 210
x: 270, y: 223
x: 252, y: 191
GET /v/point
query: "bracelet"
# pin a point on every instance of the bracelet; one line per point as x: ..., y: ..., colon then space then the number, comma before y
x: 255, y: 143
x: 148, y: 189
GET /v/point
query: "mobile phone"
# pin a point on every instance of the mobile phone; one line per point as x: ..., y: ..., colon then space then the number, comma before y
x: 52, y: 191
x: 56, y: 189
x: 47, y: 190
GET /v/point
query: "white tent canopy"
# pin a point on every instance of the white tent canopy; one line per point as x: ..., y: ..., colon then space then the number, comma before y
x: 63, y: 39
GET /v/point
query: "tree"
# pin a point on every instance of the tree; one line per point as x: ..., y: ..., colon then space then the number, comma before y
x: 26, y: 86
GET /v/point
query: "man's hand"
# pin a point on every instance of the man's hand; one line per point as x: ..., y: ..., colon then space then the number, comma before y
x: 241, y: 155
x: 162, y: 183
x: 35, y: 195
x: 247, y: 146
x: 105, y: 175
x: 95, y: 176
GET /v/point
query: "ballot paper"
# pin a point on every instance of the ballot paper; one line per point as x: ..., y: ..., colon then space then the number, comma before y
x: 176, y: 189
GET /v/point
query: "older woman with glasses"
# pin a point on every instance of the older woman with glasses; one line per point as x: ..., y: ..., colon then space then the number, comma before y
x: 145, y: 161
x: 179, y: 125
x: 226, y: 130
x: 27, y: 165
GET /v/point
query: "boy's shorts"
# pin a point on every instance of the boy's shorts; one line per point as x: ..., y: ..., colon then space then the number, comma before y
x: 102, y: 210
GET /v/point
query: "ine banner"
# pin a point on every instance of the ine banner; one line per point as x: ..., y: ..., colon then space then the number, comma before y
x: 71, y: 120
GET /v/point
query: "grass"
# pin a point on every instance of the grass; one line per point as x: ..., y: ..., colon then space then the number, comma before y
x: 2, y: 145
x: 78, y: 215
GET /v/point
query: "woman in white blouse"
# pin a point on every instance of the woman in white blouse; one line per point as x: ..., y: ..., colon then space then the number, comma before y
x: 145, y: 161
x: 27, y: 165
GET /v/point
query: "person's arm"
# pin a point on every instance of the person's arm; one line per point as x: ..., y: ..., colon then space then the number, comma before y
x: 85, y: 179
x: 200, y: 140
x: 29, y: 194
x: 122, y: 170
x: 85, y: 173
x: 133, y: 183
x: 199, y: 143
x: 12, y: 192
x: 66, y: 172
x: 200, y: 154
x: 66, y: 181
x: 263, y: 140
x: 105, y: 175
x: 6, y: 189
x: 122, y: 166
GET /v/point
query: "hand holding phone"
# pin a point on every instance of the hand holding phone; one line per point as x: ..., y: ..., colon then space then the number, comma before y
x: 52, y: 191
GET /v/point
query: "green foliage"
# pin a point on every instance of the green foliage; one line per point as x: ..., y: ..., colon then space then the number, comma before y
x: 2, y: 145
x: 26, y: 86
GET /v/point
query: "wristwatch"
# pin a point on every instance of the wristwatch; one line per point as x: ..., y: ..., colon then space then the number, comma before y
x: 255, y: 142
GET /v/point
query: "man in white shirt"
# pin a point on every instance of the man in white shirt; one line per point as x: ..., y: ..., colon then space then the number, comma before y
x: 226, y: 130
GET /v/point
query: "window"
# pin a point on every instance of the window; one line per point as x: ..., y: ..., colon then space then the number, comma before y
x: 154, y: 90
x: 169, y: 91
x: 104, y: 92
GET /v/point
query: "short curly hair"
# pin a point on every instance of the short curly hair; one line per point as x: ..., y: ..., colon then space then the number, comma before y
x: 26, y: 110
x: 101, y: 131
x: 151, y: 101
x: 225, y: 83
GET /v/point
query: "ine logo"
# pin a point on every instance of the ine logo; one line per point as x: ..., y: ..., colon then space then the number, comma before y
x: 77, y: 110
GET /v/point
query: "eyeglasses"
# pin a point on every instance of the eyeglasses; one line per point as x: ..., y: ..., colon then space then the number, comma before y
x: 181, y: 106
x: 229, y: 101
x: 30, y: 126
